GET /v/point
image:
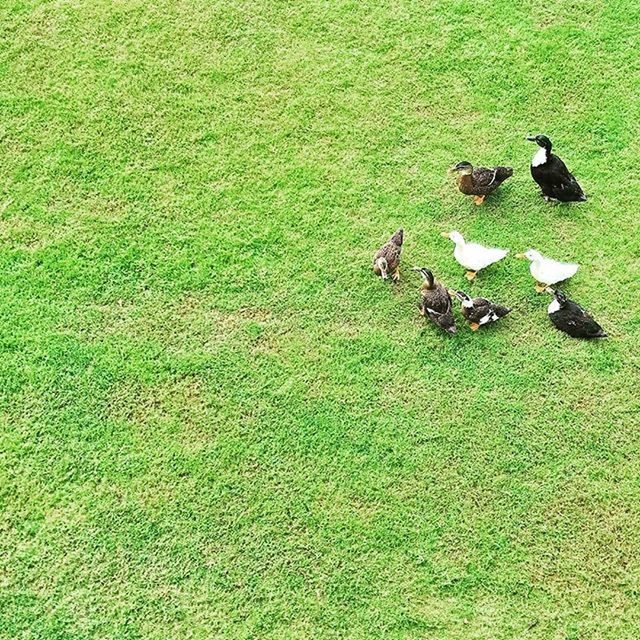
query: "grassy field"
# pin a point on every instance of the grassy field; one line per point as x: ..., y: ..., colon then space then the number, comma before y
x: 214, y: 421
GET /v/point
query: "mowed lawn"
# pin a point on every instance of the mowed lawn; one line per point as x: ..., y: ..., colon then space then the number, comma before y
x: 215, y: 421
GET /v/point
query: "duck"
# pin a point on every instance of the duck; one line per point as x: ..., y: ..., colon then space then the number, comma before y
x: 387, y: 258
x: 479, y: 311
x: 435, y: 302
x: 480, y: 181
x: 556, y: 182
x: 547, y: 271
x: 473, y: 257
x: 568, y: 316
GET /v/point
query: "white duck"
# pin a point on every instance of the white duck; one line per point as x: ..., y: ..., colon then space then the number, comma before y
x: 547, y: 271
x: 473, y: 256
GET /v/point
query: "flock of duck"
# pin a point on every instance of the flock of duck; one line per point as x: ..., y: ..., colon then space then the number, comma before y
x: 556, y: 184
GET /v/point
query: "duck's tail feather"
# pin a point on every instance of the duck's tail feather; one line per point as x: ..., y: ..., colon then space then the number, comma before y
x: 501, y: 312
x: 502, y: 173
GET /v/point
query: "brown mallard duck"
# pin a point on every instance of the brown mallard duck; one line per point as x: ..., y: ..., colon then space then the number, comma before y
x: 479, y: 311
x: 435, y: 302
x: 480, y: 182
x: 387, y: 259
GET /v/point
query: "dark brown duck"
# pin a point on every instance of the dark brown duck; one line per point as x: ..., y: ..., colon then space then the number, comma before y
x: 480, y: 181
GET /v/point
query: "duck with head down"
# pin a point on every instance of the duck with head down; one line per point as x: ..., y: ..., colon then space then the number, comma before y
x: 387, y: 258
x: 480, y: 181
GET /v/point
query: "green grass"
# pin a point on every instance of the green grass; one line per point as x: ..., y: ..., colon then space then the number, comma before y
x: 215, y: 422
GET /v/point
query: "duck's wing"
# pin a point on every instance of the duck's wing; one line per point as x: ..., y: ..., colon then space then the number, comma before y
x: 437, y: 300
x: 499, y: 310
x: 484, y: 256
x: 484, y: 311
x: 555, y: 271
x: 391, y: 253
x: 569, y: 190
x: 484, y: 177
x: 486, y: 180
x: 581, y: 322
x: 556, y: 163
x: 563, y: 182
x: 437, y: 305
x: 481, y: 308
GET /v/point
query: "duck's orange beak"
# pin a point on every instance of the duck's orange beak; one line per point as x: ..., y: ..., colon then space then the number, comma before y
x: 521, y: 256
x: 444, y: 234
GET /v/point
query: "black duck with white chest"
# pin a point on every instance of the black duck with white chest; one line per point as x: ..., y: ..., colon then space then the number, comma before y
x: 479, y: 311
x: 570, y: 317
x: 480, y: 181
x: 551, y: 174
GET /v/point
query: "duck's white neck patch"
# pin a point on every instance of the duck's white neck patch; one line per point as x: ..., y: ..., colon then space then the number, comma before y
x: 553, y: 307
x: 540, y: 157
x: 467, y: 304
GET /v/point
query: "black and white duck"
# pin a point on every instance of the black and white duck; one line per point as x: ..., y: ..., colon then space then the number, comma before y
x: 480, y: 181
x: 387, y: 258
x: 435, y: 302
x: 556, y: 182
x: 479, y: 311
x: 570, y: 317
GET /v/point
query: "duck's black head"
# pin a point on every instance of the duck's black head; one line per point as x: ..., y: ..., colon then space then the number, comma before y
x: 464, y: 168
x: 560, y: 297
x: 541, y: 141
x: 462, y: 296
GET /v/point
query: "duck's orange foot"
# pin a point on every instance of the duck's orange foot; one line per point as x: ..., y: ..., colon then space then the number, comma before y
x: 396, y: 275
x: 479, y: 199
x: 470, y: 275
x: 540, y: 288
x: 474, y: 326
